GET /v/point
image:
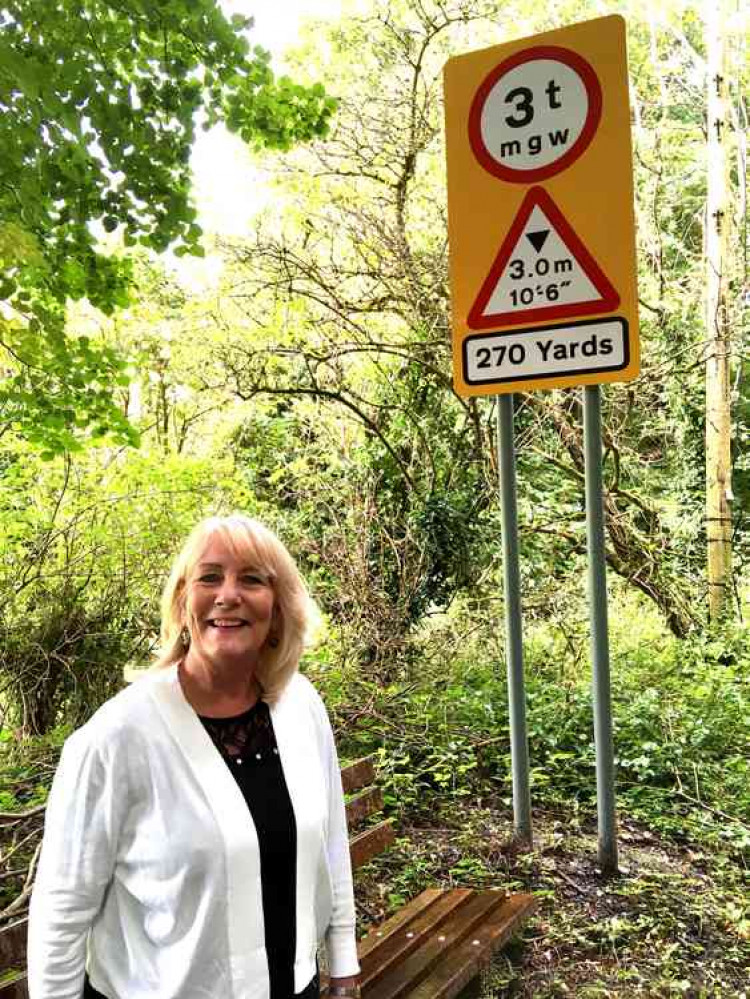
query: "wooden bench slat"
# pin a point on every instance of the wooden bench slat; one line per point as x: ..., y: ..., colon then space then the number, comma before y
x: 13, y: 955
x: 433, y: 947
x: 474, y: 952
x: 15, y: 987
x: 367, y: 803
x: 389, y: 945
x: 370, y: 843
x: 359, y: 774
x: 407, y: 912
x: 13, y: 943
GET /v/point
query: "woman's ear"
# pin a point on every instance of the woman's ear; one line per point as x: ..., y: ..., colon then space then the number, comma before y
x: 277, y: 621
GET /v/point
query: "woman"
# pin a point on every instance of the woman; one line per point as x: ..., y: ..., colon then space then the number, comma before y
x: 195, y: 844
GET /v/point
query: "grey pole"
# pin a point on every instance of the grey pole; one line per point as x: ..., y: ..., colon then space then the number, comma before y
x: 597, y: 577
x: 519, y: 748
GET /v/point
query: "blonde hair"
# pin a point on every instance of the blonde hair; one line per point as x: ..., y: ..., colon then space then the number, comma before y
x: 294, y: 612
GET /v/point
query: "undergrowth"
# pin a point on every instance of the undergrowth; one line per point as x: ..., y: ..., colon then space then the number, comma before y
x: 681, y: 718
x: 676, y: 920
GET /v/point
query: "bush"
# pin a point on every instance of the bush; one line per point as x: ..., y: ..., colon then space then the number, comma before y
x: 680, y: 711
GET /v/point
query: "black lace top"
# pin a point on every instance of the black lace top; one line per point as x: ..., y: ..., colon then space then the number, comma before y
x: 244, y: 739
x: 247, y: 743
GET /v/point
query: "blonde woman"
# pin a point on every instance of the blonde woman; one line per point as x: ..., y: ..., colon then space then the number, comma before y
x: 195, y: 844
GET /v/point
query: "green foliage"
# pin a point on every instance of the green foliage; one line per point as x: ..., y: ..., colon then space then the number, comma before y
x: 59, y: 392
x: 26, y: 770
x: 681, y: 727
x: 100, y: 103
x: 684, y: 764
x: 85, y: 552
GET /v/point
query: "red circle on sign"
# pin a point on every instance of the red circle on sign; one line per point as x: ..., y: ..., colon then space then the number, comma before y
x: 593, y: 114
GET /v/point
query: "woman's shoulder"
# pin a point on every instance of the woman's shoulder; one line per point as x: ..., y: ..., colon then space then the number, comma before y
x: 300, y: 690
x: 301, y: 695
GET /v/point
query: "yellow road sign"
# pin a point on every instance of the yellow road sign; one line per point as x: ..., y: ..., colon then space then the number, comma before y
x: 540, y: 212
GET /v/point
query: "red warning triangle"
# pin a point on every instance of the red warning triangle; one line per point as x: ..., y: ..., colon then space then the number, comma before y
x: 543, y: 271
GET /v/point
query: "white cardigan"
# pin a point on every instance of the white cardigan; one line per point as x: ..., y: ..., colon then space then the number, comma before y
x: 150, y: 856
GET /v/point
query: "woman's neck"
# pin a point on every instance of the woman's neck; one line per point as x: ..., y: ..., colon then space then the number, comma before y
x: 215, y: 692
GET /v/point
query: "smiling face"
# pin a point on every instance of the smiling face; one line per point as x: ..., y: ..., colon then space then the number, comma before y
x: 230, y: 607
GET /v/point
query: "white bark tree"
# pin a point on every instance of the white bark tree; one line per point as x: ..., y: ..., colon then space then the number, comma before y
x: 718, y: 344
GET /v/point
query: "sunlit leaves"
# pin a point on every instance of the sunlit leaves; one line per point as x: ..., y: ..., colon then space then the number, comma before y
x: 98, y: 109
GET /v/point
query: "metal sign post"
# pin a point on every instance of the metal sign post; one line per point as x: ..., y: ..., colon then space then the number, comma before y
x: 519, y: 743
x: 605, y: 757
x: 543, y: 286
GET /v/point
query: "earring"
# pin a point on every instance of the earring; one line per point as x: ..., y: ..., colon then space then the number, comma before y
x: 273, y: 640
x: 185, y: 637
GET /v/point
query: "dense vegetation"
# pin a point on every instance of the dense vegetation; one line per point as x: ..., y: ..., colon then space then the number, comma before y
x: 310, y: 385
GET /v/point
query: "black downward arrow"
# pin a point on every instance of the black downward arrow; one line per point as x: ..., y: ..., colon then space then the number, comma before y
x: 538, y: 239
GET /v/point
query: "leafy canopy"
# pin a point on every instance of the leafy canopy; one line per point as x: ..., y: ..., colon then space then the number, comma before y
x: 99, y: 102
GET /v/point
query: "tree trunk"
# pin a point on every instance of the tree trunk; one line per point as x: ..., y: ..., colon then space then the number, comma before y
x: 718, y: 413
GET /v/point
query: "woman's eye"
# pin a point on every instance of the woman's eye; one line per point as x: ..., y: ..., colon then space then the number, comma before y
x: 209, y: 577
x: 254, y: 579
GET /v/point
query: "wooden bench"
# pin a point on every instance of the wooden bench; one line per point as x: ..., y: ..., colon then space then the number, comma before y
x: 430, y: 949
x: 437, y: 943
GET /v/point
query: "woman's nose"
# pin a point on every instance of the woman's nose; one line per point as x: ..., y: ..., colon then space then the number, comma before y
x: 228, y: 591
